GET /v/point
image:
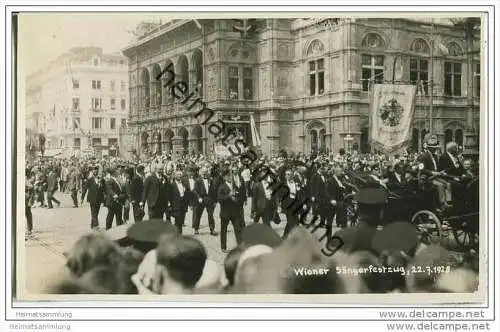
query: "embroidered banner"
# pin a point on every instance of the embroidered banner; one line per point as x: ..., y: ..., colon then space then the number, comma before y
x: 391, y: 115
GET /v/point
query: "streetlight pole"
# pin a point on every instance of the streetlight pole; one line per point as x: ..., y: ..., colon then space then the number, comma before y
x: 431, y: 79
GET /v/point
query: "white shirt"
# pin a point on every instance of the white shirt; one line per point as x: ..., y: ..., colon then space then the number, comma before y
x: 398, y: 177
x: 237, y: 181
x: 180, y: 187
x: 246, y: 175
x: 322, y: 178
x: 433, y: 161
x: 292, y: 188
x: 191, y: 184
x: 267, y: 189
x: 205, y: 183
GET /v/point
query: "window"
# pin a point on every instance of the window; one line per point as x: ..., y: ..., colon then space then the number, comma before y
x: 452, y: 78
x: 96, y: 103
x: 316, y: 77
x: 76, y: 84
x: 122, y: 62
x: 122, y: 86
x: 96, y: 85
x: 77, y: 143
x: 76, y: 123
x: 112, y: 142
x: 112, y: 123
x: 96, y: 61
x: 233, y: 82
x: 96, y: 141
x: 247, y: 83
x: 76, y: 104
x: 477, y: 79
x: 96, y: 123
x: 112, y: 85
x: 112, y: 103
x: 419, y: 74
x: 372, y: 70
x: 123, y: 123
x: 122, y: 104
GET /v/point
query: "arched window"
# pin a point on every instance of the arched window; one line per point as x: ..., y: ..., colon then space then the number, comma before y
x: 314, y: 141
x: 372, y: 63
x: 459, y: 137
x: 448, y: 135
x: 316, y: 68
x: 419, y: 66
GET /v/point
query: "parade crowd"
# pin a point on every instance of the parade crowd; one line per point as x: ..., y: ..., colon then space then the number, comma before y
x: 298, y: 189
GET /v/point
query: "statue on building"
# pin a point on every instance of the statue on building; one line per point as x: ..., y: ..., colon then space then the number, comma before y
x: 246, y: 27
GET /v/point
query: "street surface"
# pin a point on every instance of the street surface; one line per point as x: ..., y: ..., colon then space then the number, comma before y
x: 56, y: 230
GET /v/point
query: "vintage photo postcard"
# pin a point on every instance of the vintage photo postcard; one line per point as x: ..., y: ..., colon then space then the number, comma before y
x: 303, y: 157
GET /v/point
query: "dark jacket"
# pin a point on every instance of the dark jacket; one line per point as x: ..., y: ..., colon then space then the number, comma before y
x: 113, y: 188
x: 446, y: 164
x: 260, y: 204
x: 151, y: 191
x: 208, y: 198
x: 136, y: 188
x: 229, y: 204
x: 426, y: 159
x: 178, y: 203
x: 94, y: 189
x: 52, y: 181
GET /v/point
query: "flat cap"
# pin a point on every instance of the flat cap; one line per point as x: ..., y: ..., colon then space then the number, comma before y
x: 255, y: 234
x: 143, y: 235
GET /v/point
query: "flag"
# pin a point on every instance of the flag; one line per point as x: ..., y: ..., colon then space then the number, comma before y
x: 391, y: 115
x: 255, y: 135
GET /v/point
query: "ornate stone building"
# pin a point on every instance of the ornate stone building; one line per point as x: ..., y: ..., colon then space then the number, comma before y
x: 305, y: 81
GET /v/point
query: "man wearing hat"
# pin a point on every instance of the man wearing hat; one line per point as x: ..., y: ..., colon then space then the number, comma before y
x: 151, y: 193
x: 429, y: 159
x: 178, y: 199
x: 114, y: 198
x: 205, y: 195
x: 230, y: 210
x: 94, y: 189
x: 136, y: 188
x: 52, y: 187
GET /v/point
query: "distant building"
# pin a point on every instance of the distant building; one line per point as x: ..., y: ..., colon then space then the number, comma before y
x: 79, y: 101
x: 305, y: 81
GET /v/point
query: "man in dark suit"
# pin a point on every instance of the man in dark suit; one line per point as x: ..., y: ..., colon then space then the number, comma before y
x: 451, y: 166
x: 204, y: 197
x: 136, y: 189
x: 73, y: 185
x: 336, y: 191
x: 229, y: 199
x: 52, y: 184
x: 318, y: 195
x: 449, y: 161
x: 241, y: 193
x: 288, y: 201
x: 190, y: 182
x: 430, y: 161
x: 114, y: 199
x: 152, y: 193
x: 178, y: 200
x: 94, y: 189
x: 263, y: 202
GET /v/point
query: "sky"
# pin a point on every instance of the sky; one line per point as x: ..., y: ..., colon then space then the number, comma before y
x: 43, y: 37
